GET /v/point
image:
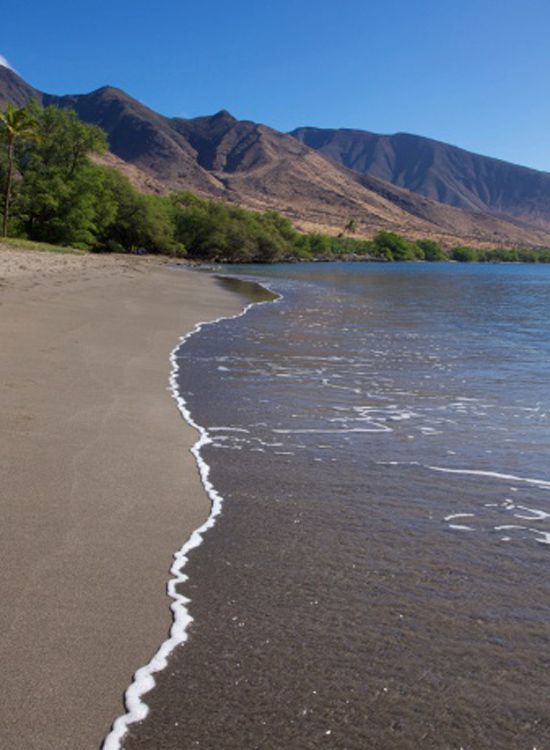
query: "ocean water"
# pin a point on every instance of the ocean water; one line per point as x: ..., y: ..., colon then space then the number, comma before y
x: 379, y: 574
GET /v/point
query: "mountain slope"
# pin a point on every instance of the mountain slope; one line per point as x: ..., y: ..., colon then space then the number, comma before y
x: 140, y: 136
x: 262, y: 167
x: 439, y: 171
x: 15, y: 90
x: 251, y: 164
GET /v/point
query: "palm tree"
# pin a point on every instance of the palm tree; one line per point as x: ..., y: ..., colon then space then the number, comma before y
x: 17, y: 124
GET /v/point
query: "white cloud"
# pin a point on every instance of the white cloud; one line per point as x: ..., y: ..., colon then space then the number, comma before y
x: 4, y: 63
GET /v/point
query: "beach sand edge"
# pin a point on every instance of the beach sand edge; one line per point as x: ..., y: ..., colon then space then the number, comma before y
x: 99, y: 486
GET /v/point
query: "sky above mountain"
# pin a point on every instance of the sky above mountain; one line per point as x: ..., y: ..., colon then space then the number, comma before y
x: 473, y: 73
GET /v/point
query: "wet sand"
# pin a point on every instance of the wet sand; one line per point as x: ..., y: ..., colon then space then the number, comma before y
x: 98, y: 486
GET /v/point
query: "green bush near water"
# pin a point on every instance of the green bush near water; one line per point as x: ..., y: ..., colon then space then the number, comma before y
x: 500, y: 255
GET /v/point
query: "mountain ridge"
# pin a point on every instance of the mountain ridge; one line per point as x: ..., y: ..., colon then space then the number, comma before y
x: 251, y: 164
x: 437, y: 170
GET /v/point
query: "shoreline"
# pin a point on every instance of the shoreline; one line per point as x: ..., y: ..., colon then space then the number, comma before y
x: 310, y: 621
x: 99, y: 485
x: 143, y: 681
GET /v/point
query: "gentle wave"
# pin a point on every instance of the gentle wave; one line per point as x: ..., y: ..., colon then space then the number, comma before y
x: 517, y: 510
x: 543, y: 483
x: 493, y: 474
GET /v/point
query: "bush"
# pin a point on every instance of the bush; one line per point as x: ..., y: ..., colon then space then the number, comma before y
x: 464, y: 254
x: 431, y: 250
x: 392, y: 246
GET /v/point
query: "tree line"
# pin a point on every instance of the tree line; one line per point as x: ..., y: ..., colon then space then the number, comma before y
x: 54, y: 192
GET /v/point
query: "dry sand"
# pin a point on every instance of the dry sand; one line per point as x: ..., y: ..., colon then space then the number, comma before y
x: 98, y: 486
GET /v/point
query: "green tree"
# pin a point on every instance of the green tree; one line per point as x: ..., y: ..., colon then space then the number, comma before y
x: 432, y: 250
x: 140, y: 221
x: 62, y: 197
x: 320, y: 245
x: 464, y: 254
x: 16, y: 124
x: 392, y: 246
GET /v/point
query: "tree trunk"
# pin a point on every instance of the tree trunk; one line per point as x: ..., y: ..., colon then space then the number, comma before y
x: 7, y: 197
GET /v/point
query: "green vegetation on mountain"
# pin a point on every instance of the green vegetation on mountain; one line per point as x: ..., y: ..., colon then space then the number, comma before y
x: 54, y: 193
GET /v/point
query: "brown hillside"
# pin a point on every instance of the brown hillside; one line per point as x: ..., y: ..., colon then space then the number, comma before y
x: 258, y: 167
x: 439, y: 171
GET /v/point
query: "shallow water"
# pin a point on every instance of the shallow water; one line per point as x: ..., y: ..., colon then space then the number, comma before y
x: 378, y: 577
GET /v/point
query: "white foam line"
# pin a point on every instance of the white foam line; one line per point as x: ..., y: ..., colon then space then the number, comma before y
x: 494, y: 474
x: 382, y: 428
x: 542, y: 483
x: 228, y: 429
x: 458, y: 527
x: 536, y: 515
x: 144, y: 681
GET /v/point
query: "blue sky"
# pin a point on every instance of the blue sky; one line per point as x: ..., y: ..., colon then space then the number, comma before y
x: 475, y: 74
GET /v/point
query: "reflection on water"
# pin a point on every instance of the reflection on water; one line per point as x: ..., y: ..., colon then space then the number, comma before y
x: 251, y: 291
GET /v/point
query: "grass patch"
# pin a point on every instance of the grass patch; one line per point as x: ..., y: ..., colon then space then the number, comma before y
x: 13, y: 243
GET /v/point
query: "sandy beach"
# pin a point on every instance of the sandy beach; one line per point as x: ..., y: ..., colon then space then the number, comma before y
x: 98, y: 485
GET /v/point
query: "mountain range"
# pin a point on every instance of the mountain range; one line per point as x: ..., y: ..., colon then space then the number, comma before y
x: 439, y: 171
x: 319, y: 178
